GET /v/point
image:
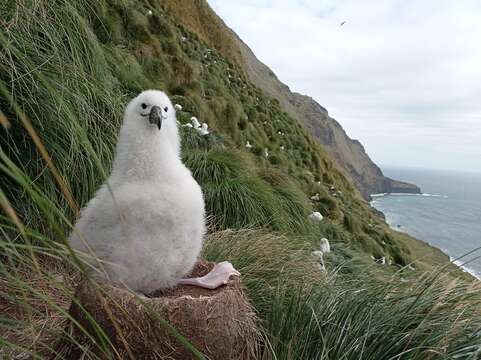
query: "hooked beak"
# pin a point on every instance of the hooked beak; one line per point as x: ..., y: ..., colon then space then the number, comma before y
x: 155, y: 116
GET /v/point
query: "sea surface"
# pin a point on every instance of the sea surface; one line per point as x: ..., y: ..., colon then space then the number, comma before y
x: 447, y: 215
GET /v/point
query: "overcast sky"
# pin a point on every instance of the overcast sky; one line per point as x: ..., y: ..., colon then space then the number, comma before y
x: 403, y: 77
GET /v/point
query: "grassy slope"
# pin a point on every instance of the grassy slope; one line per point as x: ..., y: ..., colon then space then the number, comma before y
x: 72, y: 86
x: 143, y: 52
x: 198, y: 17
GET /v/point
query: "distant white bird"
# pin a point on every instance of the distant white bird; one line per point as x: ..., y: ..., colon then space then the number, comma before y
x: 203, y: 130
x: 320, y: 258
x: 248, y: 145
x: 145, y: 228
x: 149, y: 12
x: 195, y: 122
x: 183, y: 38
x: 316, y: 216
x: 266, y: 152
x: 178, y: 107
x: 282, y: 147
x: 315, y: 197
x: 324, y: 245
x: 383, y: 261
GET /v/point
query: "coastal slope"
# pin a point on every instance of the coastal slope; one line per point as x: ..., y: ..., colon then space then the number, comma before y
x: 349, y: 154
x: 265, y: 180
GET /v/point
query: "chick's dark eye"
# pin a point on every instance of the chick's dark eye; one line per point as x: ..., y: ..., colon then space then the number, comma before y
x: 166, y: 108
x: 144, y: 105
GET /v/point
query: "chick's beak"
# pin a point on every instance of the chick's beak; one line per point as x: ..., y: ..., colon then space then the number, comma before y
x: 155, y: 116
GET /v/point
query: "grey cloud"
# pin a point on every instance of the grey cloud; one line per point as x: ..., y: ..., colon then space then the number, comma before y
x: 403, y: 77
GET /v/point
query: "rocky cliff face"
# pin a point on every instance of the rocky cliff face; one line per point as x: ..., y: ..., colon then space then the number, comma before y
x: 348, y: 153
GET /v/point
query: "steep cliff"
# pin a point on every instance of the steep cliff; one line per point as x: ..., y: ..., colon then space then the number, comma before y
x: 348, y: 153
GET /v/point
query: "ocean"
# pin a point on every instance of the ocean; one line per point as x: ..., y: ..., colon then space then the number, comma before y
x: 447, y: 215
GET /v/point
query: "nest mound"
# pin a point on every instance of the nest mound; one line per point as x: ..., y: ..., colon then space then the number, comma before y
x: 219, y: 323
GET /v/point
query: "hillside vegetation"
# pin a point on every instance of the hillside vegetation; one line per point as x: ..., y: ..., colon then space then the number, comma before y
x: 67, y: 69
x: 349, y: 154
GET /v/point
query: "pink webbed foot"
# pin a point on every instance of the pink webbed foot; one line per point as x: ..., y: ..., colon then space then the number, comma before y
x: 218, y: 276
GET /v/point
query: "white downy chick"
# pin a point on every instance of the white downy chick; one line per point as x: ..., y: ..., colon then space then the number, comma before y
x: 144, y: 227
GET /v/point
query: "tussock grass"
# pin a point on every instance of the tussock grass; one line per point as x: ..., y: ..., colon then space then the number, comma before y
x: 77, y: 122
x: 364, y: 319
x: 266, y: 260
x: 34, y: 300
x: 308, y: 315
x: 292, y: 201
x: 236, y: 198
x: 215, y: 166
x: 241, y: 203
x: 71, y: 87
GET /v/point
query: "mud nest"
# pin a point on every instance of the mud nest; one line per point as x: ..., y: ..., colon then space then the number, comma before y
x: 219, y: 323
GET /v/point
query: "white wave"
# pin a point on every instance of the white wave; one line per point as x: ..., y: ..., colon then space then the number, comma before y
x: 408, y: 194
x: 435, y: 195
x: 379, y: 195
